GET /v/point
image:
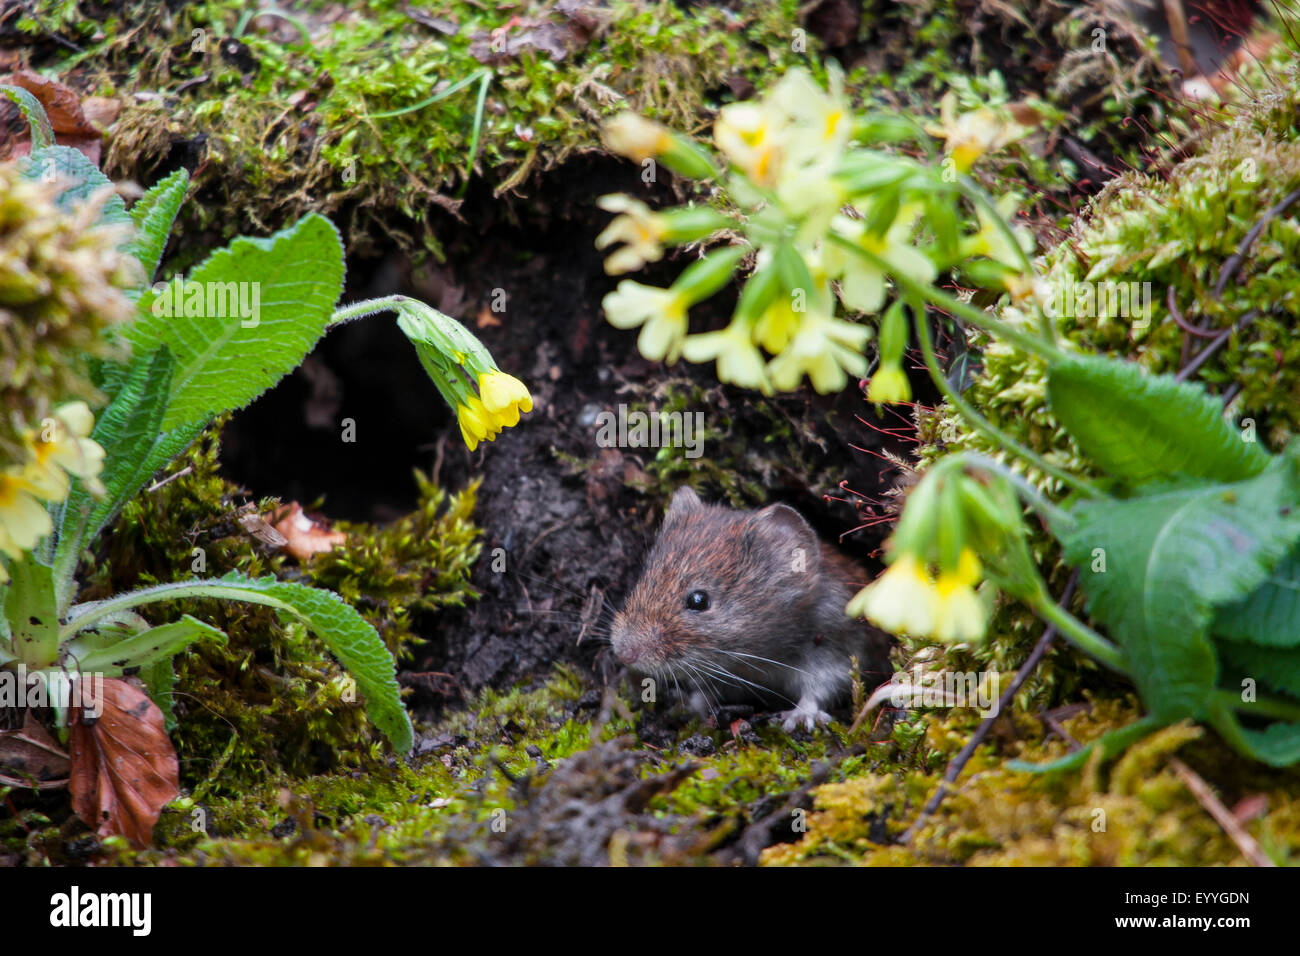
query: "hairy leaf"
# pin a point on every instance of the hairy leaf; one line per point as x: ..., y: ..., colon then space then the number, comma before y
x: 1171, y: 558
x: 346, y: 633
x: 224, y: 360
x: 32, y: 612
x: 79, y: 179
x: 1271, y: 615
x: 153, y: 215
x: 141, y: 650
x: 128, y: 430
x: 1145, y: 428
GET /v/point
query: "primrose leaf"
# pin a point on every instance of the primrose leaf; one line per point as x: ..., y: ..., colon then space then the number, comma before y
x: 1271, y: 615
x: 32, y: 110
x: 32, y: 612
x: 153, y: 215
x: 1145, y: 428
x: 79, y: 178
x: 1277, y: 667
x: 269, y: 302
x: 1277, y: 745
x: 128, y: 430
x: 143, y: 648
x: 351, y: 639
x: 1170, y: 559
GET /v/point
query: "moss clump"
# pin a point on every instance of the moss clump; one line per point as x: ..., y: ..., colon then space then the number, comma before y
x: 273, y: 699
x: 61, y: 281
x: 1134, y: 812
x: 342, y: 124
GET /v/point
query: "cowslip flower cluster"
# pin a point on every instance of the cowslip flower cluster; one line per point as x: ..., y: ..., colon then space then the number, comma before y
x: 486, y: 399
x: 929, y: 589
x: 56, y: 452
x: 825, y: 220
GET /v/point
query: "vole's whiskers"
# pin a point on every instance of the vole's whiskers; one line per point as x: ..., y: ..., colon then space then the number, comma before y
x: 730, y: 677
x: 765, y: 660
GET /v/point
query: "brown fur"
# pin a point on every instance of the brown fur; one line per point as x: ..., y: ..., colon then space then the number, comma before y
x: 775, y: 632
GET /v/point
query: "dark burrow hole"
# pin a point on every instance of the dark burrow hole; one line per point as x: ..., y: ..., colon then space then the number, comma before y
x: 349, y: 425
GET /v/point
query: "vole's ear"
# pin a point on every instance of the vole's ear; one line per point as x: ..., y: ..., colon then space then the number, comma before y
x: 684, y: 502
x: 786, y: 537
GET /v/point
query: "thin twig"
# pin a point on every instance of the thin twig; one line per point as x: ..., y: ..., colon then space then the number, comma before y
x: 1188, y: 370
x: 1183, y: 323
x: 958, y: 763
x: 1234, y: 261
x: 172, y: 477
x: 1246, y: 843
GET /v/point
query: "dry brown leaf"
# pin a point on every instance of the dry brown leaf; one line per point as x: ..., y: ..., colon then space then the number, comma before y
x: 124, y: 768
x: 32, y: 754
x: 63, y: 107
x: 305, y: 537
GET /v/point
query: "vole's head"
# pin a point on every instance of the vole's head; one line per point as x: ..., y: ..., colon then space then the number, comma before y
x: 718, y: 584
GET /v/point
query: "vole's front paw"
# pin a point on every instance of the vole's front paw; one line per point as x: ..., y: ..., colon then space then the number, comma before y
x: 806, y: 712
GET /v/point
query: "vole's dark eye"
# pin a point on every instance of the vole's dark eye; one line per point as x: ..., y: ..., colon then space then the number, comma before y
x: 697, y: 601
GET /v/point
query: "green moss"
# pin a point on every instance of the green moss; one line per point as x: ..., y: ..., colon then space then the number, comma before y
x: 273, y: 698
x: 1136, y: 812
x: 337, y: 126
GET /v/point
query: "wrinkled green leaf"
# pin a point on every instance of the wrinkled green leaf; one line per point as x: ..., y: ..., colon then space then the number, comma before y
x: 153, y: 215
x: 33, y: 112
x: 128, y: 430
x: 142, y: 649
x: 32, y: 613
x: 1144, y: 428
x: 346, y: 633
x: 1171, y: 558
x: 221, y: 364
x: 1271, y: 615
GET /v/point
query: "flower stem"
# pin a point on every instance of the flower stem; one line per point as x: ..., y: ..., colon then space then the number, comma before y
x: 1054, y: 515
x: 937, y: 297
x: 359, y: 310
x: 978, y: 421
x: 1078, y: 633
x: 977, y: 195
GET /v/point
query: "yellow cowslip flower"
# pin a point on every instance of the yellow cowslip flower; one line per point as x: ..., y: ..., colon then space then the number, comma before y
x: 818, y: 122
x: 61, y: 448
x: 751, y: 137
x: 637, y: 226
x: 993, y: 242
x: 504, y: 397
x: 971, y: 135
x: 959, y: 614
x: 476, y: 422
x: 902, y: 600
x: 661, y: 313
x: 889, y: 385
x: 777, y: 325
x: 739, y: 362
x: 632, y: 135
x: 824, y: 348
x: 23, y: 519
x: 862, y: 283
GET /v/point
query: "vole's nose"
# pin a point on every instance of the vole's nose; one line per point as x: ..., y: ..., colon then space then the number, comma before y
x: 631, y: 644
